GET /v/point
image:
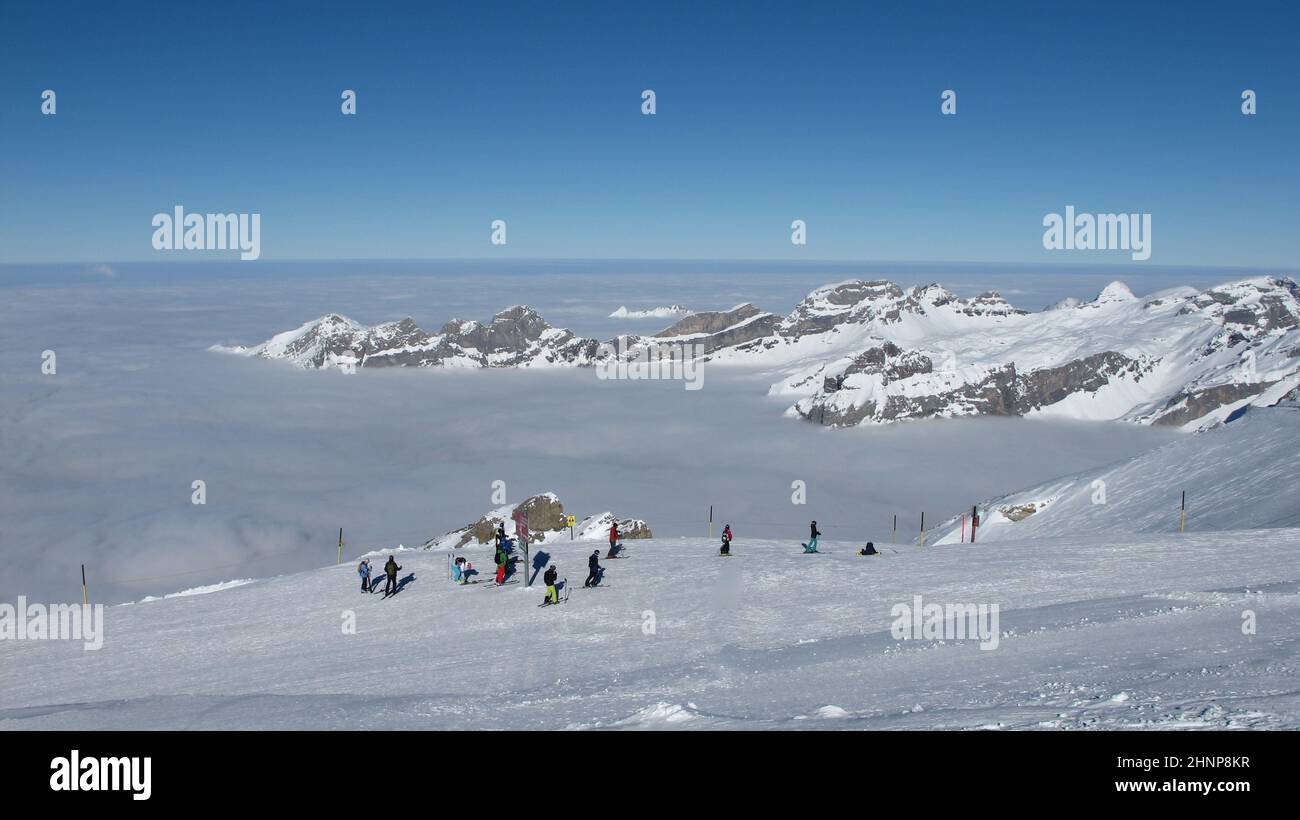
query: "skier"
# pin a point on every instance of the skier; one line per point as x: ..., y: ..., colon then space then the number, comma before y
x: 613, y: 540
x: 391, y: 569
x: 363, y: 569
x: 869, y: 549
x: 726, y: 541
x: 501, y: 564
x: 593, y: 564
x: 552, y: 594
x: 501, y: 533
x: 811, y: 546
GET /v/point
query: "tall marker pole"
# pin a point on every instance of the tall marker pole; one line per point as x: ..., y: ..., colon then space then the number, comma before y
x: 340, y: 546
x: 710, y: 522
x: 923, y: 528
x: 85, y: 596
x: 893, y: 538
x: 974, y: 521
x: 1182, y: 512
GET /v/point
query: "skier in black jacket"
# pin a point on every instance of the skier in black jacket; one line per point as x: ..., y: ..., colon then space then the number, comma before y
x: 811, y: 546
x: 391, y: 569
x: 593, y: 564
x: 552, y: 595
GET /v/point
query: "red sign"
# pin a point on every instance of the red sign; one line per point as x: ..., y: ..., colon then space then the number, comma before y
x: 521, y: 526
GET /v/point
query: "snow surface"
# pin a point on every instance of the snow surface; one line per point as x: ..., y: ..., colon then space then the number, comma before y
x: 1241, y: 475
x: 1095, y: 632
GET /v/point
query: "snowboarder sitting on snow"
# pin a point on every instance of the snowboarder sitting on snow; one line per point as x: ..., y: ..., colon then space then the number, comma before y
x: 391, y: 569
x: 726, y: 541
x: 811, y: 546
x: 869, y: 549
x: 593, y: 564
x: 363, y: 569
x: 552, y: 594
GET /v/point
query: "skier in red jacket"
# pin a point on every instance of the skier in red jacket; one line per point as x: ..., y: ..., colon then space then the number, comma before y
x: 613, y: 541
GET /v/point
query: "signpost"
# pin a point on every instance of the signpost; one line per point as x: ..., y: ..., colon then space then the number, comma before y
x: 571, y: 521
x: 521, y: 532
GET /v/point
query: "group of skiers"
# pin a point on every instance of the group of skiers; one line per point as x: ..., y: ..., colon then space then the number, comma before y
x: 463, y: 570
x: 390, y: 571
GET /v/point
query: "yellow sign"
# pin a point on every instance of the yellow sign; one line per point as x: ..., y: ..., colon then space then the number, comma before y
x: 573, y: 519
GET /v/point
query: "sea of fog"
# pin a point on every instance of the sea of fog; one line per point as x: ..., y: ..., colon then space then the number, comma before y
x: 97, y: 461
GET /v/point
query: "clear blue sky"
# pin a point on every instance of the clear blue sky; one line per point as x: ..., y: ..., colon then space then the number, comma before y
x: 767, y: 112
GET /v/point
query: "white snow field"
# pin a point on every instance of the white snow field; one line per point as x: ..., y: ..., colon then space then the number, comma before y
x: 1237, y: 476
x: 1094, y: 632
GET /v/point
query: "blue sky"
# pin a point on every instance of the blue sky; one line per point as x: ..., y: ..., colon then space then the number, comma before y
x: 767, y: 112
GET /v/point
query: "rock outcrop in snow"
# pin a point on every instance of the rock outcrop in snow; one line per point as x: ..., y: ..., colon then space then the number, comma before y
x: 546, y: 522
x: 650, y: 313
x: 862, y: 352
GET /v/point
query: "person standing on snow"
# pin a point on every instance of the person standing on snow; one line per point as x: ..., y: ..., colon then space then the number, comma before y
x: 391, y: 569
x: 552, y: 594
x: 726, y: 540
x: 501, y: 534
x: 812, y: 538
x: 593, y: 564
x: 363, y: 569
x: 613, y: 540
x: 501, y: 564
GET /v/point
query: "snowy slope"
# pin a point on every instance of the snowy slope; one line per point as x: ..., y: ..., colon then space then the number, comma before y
x: 1093, y: 633
x: 1240, y: 475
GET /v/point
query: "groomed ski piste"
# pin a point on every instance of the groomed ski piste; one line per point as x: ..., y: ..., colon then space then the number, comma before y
x: 1096, y: 632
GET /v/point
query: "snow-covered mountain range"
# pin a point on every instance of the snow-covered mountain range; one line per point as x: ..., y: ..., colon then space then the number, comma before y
x: 860, y: 352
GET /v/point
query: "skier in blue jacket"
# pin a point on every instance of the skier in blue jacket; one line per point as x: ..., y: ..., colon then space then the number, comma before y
x: 593, y: 564
x: 363, y: 569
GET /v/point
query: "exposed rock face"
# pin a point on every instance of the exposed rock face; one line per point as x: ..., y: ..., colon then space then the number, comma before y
x: 634, y: 528
x: 718, y: 330
x: 596, y: 527
x: 1019, y: 512
x: 1050, y: 385
x: 1190, y: 405
x: 709, y: 321
x: 546, y: 523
